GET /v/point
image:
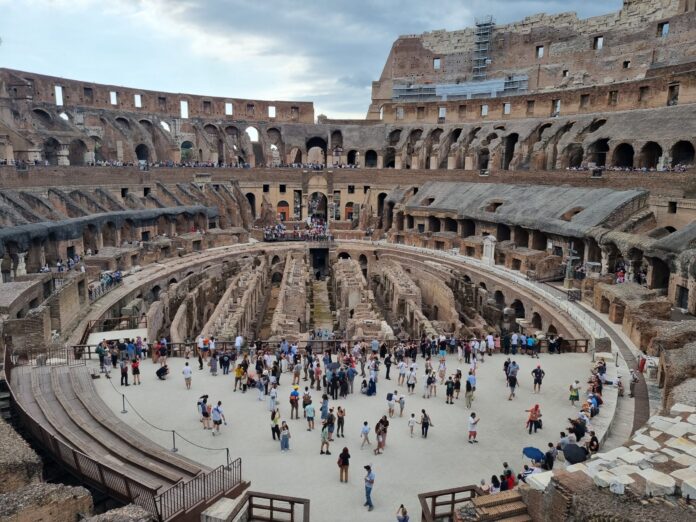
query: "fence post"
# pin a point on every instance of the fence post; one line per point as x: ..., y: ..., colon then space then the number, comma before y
x: 123, y: 400
x: 228, y: 458
x: 174, y: 450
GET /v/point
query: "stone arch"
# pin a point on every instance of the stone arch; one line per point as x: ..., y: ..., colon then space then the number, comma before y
x: 77, y: 152
x: 434, y: 224
x: 186, y: 149
x: 343, y: 255
x: 650, y: 155
x: 336, y: 140
x: 502, y: 232
x: 390, y: 158
x: 97, y: 146
x: 44, y: 117
x: 573, y: 155
x: 283, y: 210
x: 142, y: 152
x: 499, y: 299
x: 232, y: 132
x: 251, y: 198
x: 123, y: 123
x: 552, y: 330
x: 394, y: 137
x: 316, y: 150
x: 318, y: 205
x: 483, y: 285
x: 51, y: 148
x: 509, y: 150
x: 536, y: 322
x: 275, y: 260
x: 211, y: 129
x: 518, y: 307
x: 597, y: 152
x: 381, y: 197
x: 89, y: 238
x: 682, y: 153
x: 348, y: 211
x: 370, y: 159
x: 109, y: 234
x: 352, y: 157
x: 623, y: 156
x: 295, y: 156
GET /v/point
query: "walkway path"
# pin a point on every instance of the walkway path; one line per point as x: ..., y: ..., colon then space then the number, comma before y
x: 321, y: 310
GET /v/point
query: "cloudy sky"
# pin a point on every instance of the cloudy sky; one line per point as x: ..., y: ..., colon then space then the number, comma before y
x: 321, y: 51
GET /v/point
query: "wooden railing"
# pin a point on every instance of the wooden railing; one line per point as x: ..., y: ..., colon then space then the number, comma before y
x: 266, y: 507
x: 441, y: 506
x: 181, y: 498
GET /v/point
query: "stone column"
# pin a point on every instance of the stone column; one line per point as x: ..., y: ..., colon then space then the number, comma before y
x: 489, y: 250
x: 62, y: 155
x: 21, y: 264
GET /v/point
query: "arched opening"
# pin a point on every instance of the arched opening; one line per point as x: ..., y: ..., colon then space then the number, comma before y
x: 468, y: 227
x: 275, y: 156
x: 295, y: 156
x: 336, y: 140
x: 142, y: 152
x: 275, y: 260
x: 433, y: 224
x: 155, y: 293
x: 574, y: 155
x: 510, y: 142
x: 77, y: 152
x: 521, y: 238
x: 499, y: 299
x: 187, y: 151
x: 123, y: 123
x: 51, y: 148
x: 623, y: 156
x: 172, y: 281
x: 450, y: 225
x: 597, y: 152
x: 370, y: 159
x: 348, y: 213
x: 108, y: 231
x: 596, y: 125
x: 539, y: 241
x: 390, y: 158
x: 252, y: 133
x: 484, y: 157
x: 352, y: 157
x: 540, y: 132
x: 343, y: 255
x: 277, y: 278
x: 650, y: 155
x: 251, y: 198
x: 89, y: 238
x: 380, y: 203
x: 660, y: 273
x: 502, y: 232
x: 98, y: 150
x: 551, y: 330
x: 317, y: 205
x: 43, y: 117
x: 316, y: 150
x: 394, y: 137
x: 518, y: 307
x: 536, y: 321
x: 682, y: 153
x: 283, y: 210
x: 482, y: 285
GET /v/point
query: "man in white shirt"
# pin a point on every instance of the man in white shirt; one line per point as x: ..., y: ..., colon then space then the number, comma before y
x: 218, y: 418
x: 187, y: 375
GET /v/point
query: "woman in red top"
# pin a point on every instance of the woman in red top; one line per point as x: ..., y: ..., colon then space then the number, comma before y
x: 135, y: 368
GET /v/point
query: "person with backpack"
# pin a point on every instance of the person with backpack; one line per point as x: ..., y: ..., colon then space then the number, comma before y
x: 391, y: 403
x: 449, y: 388
x: 534, y: 419
x: 343, y: 463
x: 425, y: 423
x: 294, y: 402
x: 218, y: 418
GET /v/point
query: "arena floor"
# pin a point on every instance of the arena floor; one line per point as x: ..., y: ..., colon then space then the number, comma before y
x: 408, y: 466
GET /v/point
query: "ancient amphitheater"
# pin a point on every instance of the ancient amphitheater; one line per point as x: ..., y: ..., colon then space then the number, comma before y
x: 534, y: 178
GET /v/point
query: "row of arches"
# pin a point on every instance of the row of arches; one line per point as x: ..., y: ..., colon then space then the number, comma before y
x: 624, y: 155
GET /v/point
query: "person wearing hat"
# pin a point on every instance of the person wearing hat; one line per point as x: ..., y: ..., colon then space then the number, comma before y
x: 294, y: 402
x: 369, y: 482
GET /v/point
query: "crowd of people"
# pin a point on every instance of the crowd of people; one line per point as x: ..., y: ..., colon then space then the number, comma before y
x: 316, y: 229
x: 680, y: 167
x: 320, y: 380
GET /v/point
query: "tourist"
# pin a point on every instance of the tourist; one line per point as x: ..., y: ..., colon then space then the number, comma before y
x: 272, y: 397
x: 124, y: 372
x: 538, y: 375
x: 306, y: 400
x: 135, y: 369
x: 549, y: 457
x: 380, y: 431
x: 187, y: 372
x: 238, y: 372
x: 162, y: 373
x: 411, y: 381
x: 205, y: 412
x: 343, y: 463
x: 574, y: 392
x: 369, y: 483
x: 331, y: 423
x: 294, y: 402
x: 512, y: 384
x: 218, y: 418
x: 365, y: 435
x: 473, y: 423
x: 402, y: 514
x: 101, y: 353
x: 495, y: 485
x: 201, y: 406
x: 401, y: 366
x: 402, y: 404
x: 391, y: 403
x: 284, y: 437
x: 309, y: 412
x: 503, y: 483
x: 411, y: 423
x: 470, y: 389
x: 449, y: 391
x: 534, y: 419
x: 275, y: 424
x: 324, y: 439
x: 340, y: 421
x: 425, y: 423
x: 593, y: 444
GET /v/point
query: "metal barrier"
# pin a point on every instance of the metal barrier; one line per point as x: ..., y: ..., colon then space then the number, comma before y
x: 441, y: 505
x: 165, y: 505
x: 270, y: 508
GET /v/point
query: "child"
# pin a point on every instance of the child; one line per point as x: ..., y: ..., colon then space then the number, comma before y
x: 365, y: 434
x: 411, y: 423
x: 402, y: 405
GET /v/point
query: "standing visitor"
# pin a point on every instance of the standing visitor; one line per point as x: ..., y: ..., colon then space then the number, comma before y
x: 369, y: 483
x: 425, y: 424
x: 534, y: 419
x: 284, y: 437
x: 574, y: 392
x: 275, y: 424
x: 538, y: 375
x: 187, y: 372
x: 365, y: 435
x: 340, y: 421
x: 343, y: 463
x: 218, y: 418
x: 473, y: 422
x: 135, y: 369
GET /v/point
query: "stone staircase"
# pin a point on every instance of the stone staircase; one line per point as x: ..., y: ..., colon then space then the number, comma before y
x: 506, y: 506
x: 321, y: 306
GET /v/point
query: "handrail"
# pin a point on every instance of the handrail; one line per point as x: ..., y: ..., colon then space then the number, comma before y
x: 165, y: 505
x: 249, y: 509
x: 430, y: 504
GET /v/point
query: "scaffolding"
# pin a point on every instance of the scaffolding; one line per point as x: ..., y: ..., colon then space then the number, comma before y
x: 483, y: 35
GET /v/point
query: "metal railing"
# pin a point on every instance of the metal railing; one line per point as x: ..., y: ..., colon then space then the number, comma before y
x: 182, y: 497
x: 441, y: 506
x: 270, y: 508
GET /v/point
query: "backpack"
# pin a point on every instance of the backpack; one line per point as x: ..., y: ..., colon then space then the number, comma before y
x: 306, y: 399
x: 430, y: 380
x: 390, y: 396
